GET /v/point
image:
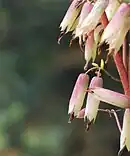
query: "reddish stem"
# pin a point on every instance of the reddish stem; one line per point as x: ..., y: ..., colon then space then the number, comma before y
x: 125, y: 54
x: 118, y: 61
x: 122, y: 72
x: 104, y: 20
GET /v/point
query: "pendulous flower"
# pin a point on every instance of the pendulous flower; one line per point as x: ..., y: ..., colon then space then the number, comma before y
x: 78, y: 95
x: 90, y: 48
x: 125, y: 133
x: 91, y: 21
x: 92, y: 103
x: 118, y: 27
x: 111, y: 97
x: 71, y: 18
x: 87, y: 7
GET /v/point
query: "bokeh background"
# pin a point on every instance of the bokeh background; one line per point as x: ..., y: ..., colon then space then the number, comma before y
x: 36, y: 80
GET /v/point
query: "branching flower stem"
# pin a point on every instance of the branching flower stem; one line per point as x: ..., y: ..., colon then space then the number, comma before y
x: 112, y: 77
x: 117, y: 119
x: 114, y: 112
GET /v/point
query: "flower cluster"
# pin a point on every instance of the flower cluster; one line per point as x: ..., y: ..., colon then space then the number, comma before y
x: 84, y: 20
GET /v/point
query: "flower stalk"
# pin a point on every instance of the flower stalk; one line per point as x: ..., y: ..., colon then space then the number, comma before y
x: 93, y: 24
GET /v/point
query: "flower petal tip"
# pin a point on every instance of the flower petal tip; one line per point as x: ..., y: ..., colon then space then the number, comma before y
x: 120, y: 153
x: 88, y: 123
x: 71, y: 117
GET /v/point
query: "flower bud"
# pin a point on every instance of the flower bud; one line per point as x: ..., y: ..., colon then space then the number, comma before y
x: 111, y: 97
x: 92, y: 103
x: 78, y: 95
x: 125, y: 133
x: 118, y: 27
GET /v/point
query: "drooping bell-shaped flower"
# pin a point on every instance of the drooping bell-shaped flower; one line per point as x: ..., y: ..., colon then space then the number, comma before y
x: 92, y: 103
x: 125, y: 133
x: 91, y: 21
x: 112, y: 8
x: 90, y: 48
x: 87, y: 7
x: 78, y: 95
x: 91, y: 44
x: 111, y: 97
x: 118, y: 27
x: 71, y: 18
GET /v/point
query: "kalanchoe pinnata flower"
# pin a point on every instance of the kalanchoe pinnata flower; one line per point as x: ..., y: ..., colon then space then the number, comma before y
x: 112, y: 8
x: 70, y: 20
x: 90, y: 48
x: 87, y: 7
x: 78, y: 95
x: 111, y: 97
x: 92, y: 103
x: 125, y: 133
x: 91, y: 21
x: 118, y: 27
x: 91, y: 44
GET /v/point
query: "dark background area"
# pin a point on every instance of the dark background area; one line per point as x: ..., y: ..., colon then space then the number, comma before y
x: 36, y: 80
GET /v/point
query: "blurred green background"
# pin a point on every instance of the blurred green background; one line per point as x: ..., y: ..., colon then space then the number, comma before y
x: 36, y: 80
